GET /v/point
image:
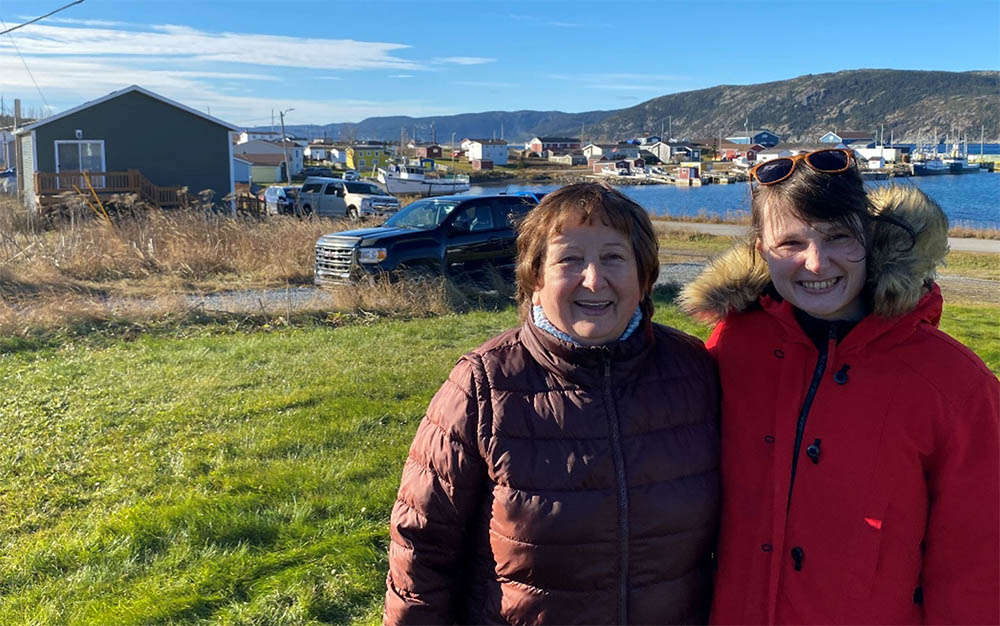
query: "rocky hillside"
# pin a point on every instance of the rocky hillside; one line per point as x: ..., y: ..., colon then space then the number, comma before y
x: 909, y: 103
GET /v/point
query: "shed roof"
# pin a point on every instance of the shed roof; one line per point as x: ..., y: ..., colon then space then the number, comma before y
x: 264, y: 159
x: 121, y: 92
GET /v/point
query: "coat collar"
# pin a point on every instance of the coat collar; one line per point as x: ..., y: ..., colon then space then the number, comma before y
x: 585, y: 365
x: 868, y: 330
x: 899, y: 275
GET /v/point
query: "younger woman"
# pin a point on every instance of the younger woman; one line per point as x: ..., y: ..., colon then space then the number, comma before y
x: 860, y: 443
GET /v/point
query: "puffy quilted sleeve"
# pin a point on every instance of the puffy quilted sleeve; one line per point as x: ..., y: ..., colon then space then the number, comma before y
x: 442, y: 486
x: 961, y: 574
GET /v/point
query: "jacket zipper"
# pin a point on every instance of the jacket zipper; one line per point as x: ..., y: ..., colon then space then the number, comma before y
x: 800, y: 427
x: 619, y: 461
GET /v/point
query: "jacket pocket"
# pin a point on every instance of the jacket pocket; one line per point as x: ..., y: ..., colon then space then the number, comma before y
x: 868, y: 545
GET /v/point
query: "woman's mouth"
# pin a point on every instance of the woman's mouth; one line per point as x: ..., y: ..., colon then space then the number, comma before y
x: 593, y: 306
x: 819, y: 285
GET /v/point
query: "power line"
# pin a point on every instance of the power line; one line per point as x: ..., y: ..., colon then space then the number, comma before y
x: 25, y: 63
x: 40, y: 17
x: 7, y: 31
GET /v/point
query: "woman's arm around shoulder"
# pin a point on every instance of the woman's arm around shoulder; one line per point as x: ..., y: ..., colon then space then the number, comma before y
x: 442, y: 484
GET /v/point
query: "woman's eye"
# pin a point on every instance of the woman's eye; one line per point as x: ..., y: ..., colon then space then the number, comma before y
x: 614, y: 256
x: 569, y: 259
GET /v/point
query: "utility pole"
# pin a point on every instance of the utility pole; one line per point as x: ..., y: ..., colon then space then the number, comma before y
x: 284, y: 147
x: 670, y: 128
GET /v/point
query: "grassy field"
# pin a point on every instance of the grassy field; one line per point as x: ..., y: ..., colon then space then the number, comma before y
x: 212, y: 475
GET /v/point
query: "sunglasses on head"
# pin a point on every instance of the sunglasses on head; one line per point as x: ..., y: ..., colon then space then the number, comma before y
x: 827, y: 161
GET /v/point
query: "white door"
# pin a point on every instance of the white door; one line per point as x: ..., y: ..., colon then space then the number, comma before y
x: 80, y: 156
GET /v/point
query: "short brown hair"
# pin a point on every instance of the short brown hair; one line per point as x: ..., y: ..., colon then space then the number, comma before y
x: 584, y: 203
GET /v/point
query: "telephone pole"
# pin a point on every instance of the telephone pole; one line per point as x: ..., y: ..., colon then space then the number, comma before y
x: 284, y: 147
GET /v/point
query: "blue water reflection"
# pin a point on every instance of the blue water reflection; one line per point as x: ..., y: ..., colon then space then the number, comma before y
x: 971, y: 199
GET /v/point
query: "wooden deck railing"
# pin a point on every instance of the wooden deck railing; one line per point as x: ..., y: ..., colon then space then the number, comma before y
x: 48, y: 185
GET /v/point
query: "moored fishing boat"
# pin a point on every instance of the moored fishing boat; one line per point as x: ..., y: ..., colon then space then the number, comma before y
x: 932, y: 167
x: 408, y: 179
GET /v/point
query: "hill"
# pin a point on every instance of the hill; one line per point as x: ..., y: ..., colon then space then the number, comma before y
x: 909, y: 103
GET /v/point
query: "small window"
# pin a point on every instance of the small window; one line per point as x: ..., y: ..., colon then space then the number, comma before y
x: 312, y: 187
x: 331, y: 189
x: 509, y: 211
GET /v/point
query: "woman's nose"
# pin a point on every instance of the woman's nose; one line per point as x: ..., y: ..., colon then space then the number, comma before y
x: 815, y: 257
x: 592, y: 276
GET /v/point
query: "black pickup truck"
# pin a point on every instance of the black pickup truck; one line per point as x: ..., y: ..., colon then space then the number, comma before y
x: 445, y: 236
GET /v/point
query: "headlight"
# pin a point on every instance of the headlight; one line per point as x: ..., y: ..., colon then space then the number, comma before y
x: 371, y: 255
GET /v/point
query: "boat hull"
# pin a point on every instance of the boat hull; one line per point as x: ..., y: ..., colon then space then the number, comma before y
x: 422, y: 186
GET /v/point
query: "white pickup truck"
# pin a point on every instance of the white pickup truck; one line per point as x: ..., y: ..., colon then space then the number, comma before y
x: 335, y: 197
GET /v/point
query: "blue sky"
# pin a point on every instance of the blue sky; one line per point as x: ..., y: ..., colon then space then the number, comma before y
x: 344, y: 61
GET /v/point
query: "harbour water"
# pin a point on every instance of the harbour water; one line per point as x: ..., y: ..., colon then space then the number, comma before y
x: 971, y: 200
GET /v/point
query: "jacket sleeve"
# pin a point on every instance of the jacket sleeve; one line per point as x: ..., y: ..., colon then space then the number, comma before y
x: 961, y: 572
x: 443, y: 479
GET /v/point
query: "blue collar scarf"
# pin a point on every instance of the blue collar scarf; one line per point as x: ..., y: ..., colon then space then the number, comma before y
x: 538, y: 317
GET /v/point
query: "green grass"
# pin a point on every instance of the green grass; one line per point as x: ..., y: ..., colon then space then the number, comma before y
x: 210, y: 475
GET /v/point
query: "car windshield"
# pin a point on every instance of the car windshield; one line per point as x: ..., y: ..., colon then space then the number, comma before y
x: 364, y: 188
x: 423, y: 214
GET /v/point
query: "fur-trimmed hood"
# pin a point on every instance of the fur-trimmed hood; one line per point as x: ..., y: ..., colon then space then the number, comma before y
x: 898, y: 273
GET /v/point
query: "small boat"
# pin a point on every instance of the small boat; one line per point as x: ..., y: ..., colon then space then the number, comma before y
x: 960, y: 165
x: 409, y: 179
x: 932, y: 167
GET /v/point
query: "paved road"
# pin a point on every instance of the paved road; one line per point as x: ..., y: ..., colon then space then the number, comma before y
x: 732, y: 230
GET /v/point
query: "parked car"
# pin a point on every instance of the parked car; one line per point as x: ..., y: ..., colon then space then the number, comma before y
x: 280, y: 200
x: 334, y: 197
x: 447, y: 235
x: 315, y: 170
x: 351, y: 175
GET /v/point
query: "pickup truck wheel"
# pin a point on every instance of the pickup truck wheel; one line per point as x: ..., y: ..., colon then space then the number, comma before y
x: 352, y: 213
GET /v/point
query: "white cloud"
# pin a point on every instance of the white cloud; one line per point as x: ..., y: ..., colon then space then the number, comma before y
x: 170, y: 42
x: 486, y: 84
x: 74, y: 62
x: 464, y: 60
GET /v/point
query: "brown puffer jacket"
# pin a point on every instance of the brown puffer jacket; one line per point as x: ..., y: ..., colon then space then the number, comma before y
x: 553, y: 484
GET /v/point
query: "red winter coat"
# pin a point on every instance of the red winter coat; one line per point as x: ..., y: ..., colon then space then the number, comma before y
x: 894, y: 515
x: 552, y: 484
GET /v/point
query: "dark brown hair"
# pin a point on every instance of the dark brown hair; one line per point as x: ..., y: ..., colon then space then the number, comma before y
x: 816, y: 197
x: 584, y: 203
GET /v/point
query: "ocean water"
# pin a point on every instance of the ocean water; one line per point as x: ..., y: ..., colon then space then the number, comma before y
x: 969, y: 199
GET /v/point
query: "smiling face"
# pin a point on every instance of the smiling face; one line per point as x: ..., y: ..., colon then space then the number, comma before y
x: 588, y: 285
x: 818, y: 268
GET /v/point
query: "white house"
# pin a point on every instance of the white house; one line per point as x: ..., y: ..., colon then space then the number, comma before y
x: 318, y: 151
x: 7, y: 157
x: 255, y: 147
x: 891, y: 155
x: 488, y: 150
x: 266, y: 135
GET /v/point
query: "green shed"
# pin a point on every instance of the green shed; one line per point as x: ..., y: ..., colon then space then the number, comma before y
x: 129, y: 141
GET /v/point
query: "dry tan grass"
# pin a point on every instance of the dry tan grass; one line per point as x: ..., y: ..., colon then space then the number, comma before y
x: 141, y: 245
x: 136, y: 267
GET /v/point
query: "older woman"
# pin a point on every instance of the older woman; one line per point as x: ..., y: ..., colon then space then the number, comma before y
x: 566, y: 472
x: 860, y: 443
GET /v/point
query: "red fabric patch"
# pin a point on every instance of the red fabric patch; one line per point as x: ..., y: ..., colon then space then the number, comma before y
x: 874, y: 523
